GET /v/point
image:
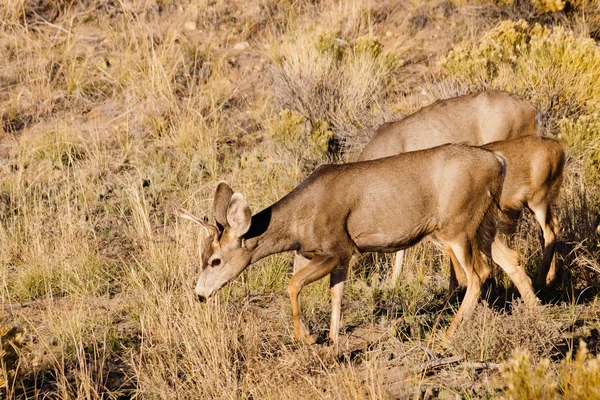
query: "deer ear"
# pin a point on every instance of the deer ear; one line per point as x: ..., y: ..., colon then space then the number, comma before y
x: 239, y: 215
x: 221, y: 203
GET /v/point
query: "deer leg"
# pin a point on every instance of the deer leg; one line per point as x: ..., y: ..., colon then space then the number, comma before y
x: 336, y: 284
x: 299, y: 262
x: 457, y: 275
x: 399, y: 260
x: 510, y: 220
x: 508, y: 260
x: 547, y: 270
x: 466, y: 258
x: 316, y: 269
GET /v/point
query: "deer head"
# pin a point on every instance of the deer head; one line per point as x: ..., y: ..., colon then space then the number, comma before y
x: 223, y: 254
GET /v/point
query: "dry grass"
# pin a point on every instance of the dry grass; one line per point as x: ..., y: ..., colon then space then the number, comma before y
x: 114, y: 112
x: 324, y: 76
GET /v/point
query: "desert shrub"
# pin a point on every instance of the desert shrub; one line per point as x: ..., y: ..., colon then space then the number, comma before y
x: 541, y: 6
x: 296, y: 132
x: 554, y: 67
x: 527, y: 380
x: 325, y: 78
x: 545, y: 6
x: 490, y: 335
x: 582, y: 135
x: 575, y: 378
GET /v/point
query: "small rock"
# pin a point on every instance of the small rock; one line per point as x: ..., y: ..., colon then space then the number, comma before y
x: 389, y: 34
x: 189, y: 26
x: 241, y: 46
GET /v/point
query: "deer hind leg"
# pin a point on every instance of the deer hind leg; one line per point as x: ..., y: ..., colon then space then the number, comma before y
x: 457, y: 274
x: 544, y: 217
x: 508, y: 260
x: 336, y: 283
x: 316, y: 269
x: 467, y: 259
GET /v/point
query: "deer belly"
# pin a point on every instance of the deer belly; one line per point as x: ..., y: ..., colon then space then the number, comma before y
x: 390, y: 240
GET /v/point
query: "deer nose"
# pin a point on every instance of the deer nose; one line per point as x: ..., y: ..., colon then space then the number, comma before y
x: 201, y: 298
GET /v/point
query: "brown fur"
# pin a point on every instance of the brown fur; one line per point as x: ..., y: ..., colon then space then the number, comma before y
x: 474, y: 119
x: 535, y: 164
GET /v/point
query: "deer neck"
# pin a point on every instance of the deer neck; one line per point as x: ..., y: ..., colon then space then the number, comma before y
x: 269, y: 233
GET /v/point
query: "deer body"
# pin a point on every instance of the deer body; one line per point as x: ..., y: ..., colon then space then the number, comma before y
x: 400, y: 201
x: 381, y: 205
x: 474, y: 119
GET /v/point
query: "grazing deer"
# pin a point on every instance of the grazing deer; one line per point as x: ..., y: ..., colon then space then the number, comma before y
x: 381, y: 205
x: 474, y: 119
x: 534, y: 174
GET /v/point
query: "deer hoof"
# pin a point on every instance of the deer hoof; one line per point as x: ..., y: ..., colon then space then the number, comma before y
x: 308, y: 339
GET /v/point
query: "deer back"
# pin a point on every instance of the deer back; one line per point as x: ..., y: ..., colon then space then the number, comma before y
x: 473, y: 119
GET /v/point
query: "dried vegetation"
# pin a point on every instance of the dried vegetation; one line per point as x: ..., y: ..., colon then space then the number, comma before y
x: 113, y: 112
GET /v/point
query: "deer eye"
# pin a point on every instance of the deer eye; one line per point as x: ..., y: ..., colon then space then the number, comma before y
x: 215, y: 262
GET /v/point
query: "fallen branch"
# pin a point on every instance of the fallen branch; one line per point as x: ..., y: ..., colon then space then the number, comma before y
x: 481, y: 365
x: 440, y: 362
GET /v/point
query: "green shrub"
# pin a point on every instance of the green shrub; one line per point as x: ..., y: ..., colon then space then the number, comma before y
x: 582, y: 136
x: 554, y: 67
x: 545, y: 6
x: 12, y: 343
x: 527, y: 380
x: 296, y: 132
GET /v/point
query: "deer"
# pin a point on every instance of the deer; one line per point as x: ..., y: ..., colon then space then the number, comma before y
x: 382, y: 205
x: 533, y: 185
x: 474, y: 119
x: 534, y: 175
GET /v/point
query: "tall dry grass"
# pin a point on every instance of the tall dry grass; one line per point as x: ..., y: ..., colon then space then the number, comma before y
x: 112, y: 113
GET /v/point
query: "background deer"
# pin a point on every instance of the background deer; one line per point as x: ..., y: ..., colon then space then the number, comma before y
x: 534, y: 174
x: 534, y: 165
x: 382, y: 205
x: 474, y: 119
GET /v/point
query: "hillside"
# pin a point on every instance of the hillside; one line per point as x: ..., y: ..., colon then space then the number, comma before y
x: 112, y: 113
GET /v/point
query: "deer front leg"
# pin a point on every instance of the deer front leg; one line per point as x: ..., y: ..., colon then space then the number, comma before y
x: 398, y: 262
x: 466, y: 260
x: 336, y: 284
x: 299, y: 262
x: 316, y: 269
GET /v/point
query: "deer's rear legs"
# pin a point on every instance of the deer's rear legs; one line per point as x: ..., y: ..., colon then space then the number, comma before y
x: 508, y: 260
x: 547, y: 270
x: 316, y: 269
x: 398, y: 261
